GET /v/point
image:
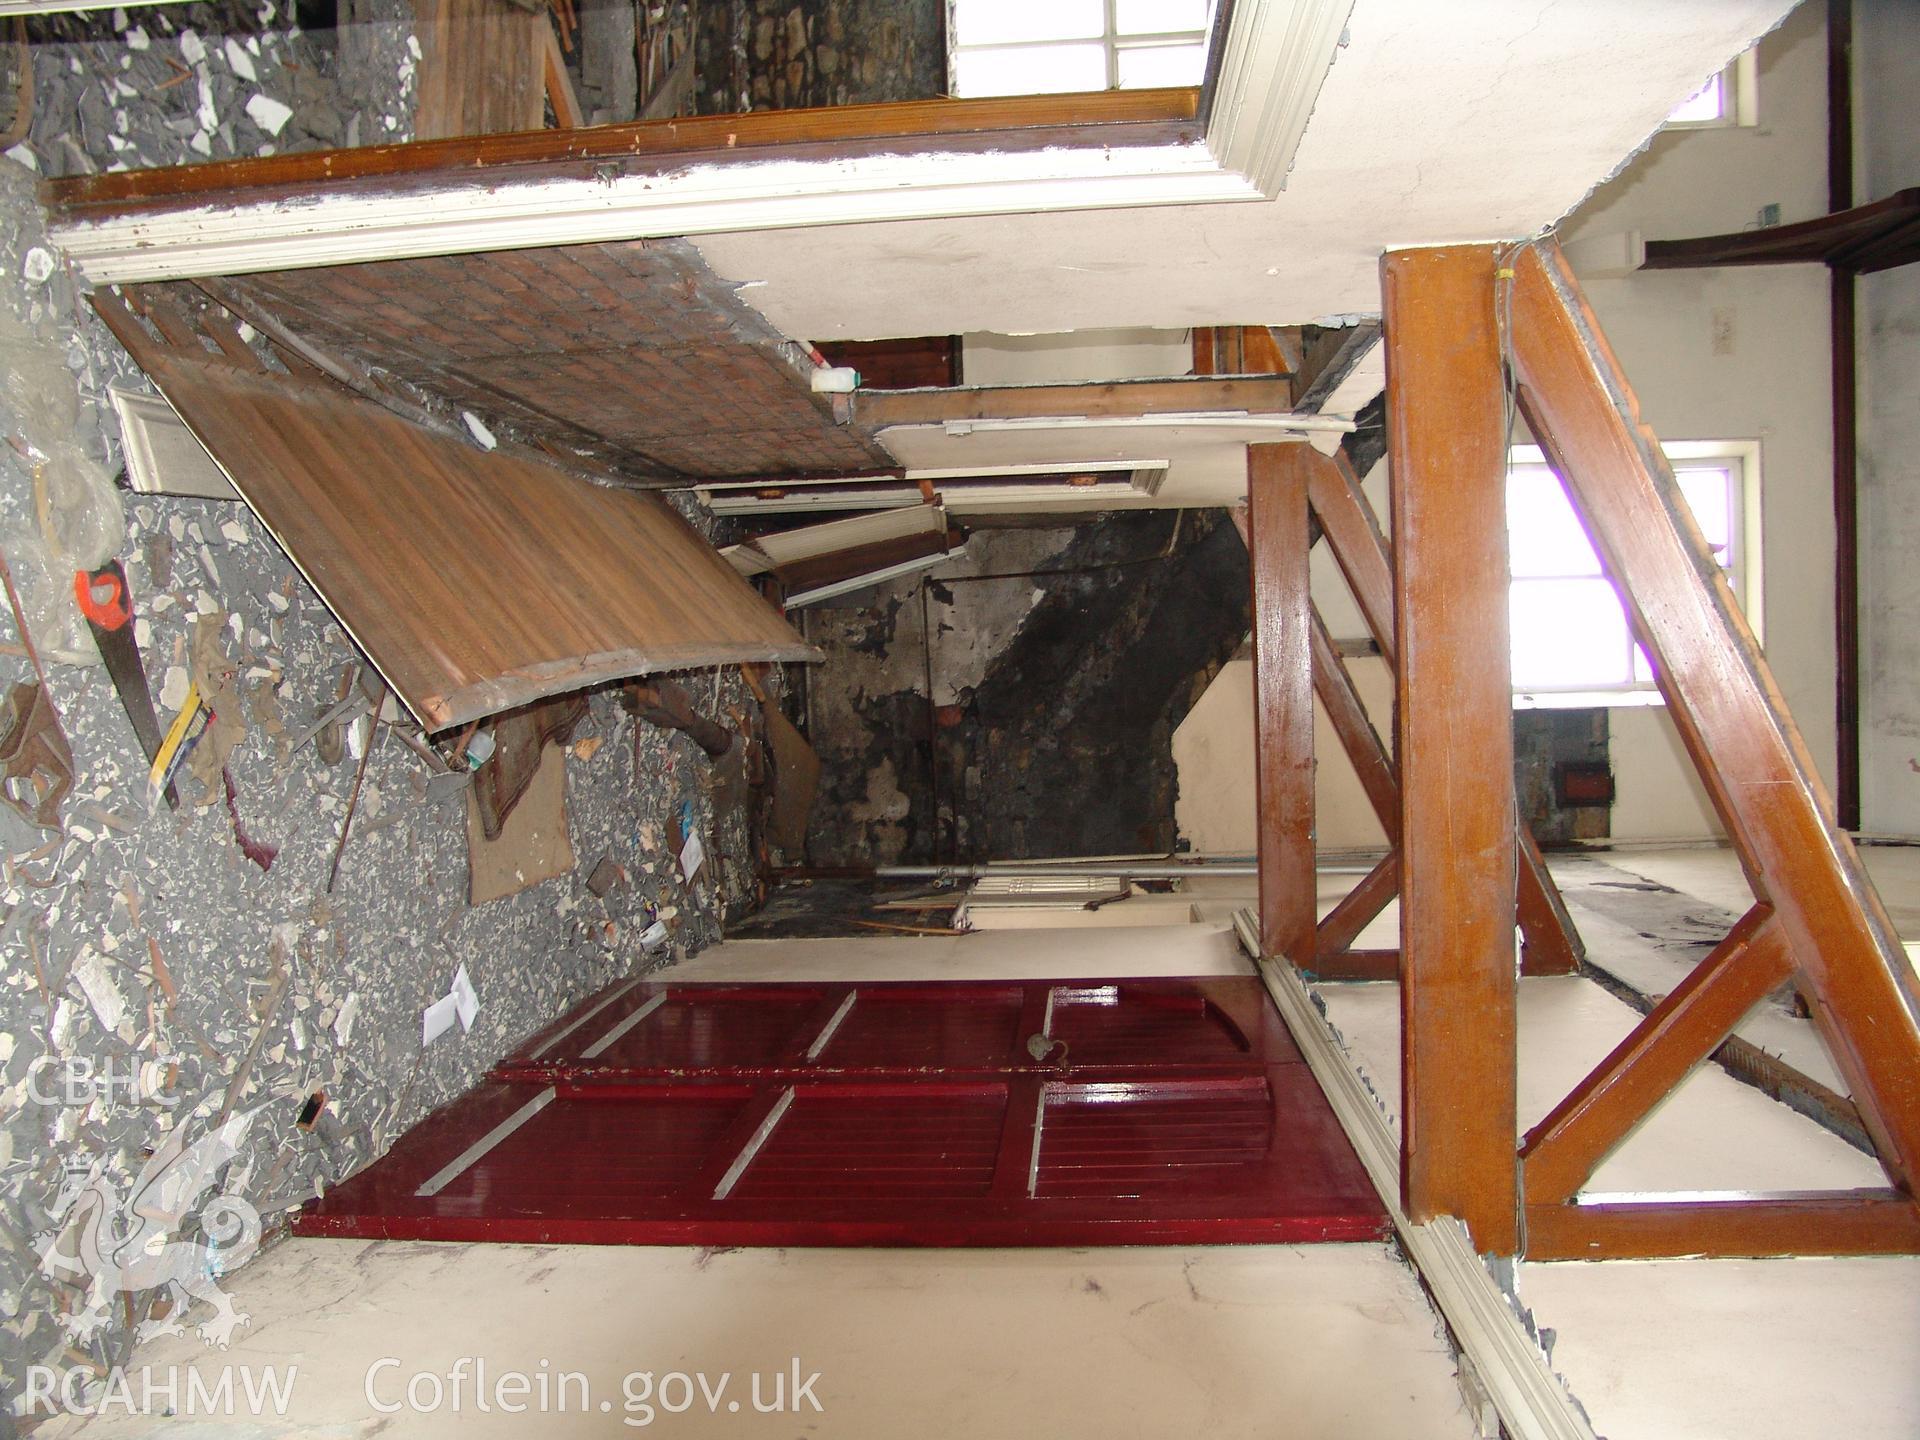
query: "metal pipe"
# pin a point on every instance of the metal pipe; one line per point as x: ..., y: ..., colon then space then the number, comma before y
x: 1122, y: 871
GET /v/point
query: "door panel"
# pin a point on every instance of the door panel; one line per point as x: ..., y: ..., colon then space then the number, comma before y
x: 951, y: 1114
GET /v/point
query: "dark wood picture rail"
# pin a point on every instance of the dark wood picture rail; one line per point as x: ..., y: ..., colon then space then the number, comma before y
x: 1142, y: 117
x: 1860, y: 240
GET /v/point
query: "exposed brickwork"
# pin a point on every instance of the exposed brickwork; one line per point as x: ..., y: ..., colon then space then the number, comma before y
x: 634, y: 346
x: 786, y: 54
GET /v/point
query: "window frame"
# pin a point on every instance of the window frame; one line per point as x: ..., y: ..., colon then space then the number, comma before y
x: 1740, y: 97
x: 1110, y: 39
x: 1744, y: 571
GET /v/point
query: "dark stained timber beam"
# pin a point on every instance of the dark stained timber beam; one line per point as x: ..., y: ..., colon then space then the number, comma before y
x: 1847, y: 1222
x: 1357, y: 965
x: 1105, y: 399
x: 1352, y: 532
x: 1446, y: 427
x: 1348, y: 717
x: 1006, y: 124
x: 1724, y: 703
x: 1283, y: 698
x: 1562, y: 1151
x: 1357, y: 909
x: 1550, y: 943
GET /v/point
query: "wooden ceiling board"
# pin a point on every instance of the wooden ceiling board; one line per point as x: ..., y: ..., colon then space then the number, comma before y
x: 475, y: 581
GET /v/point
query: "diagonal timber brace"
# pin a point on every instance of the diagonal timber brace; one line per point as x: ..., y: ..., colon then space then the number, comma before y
x: 1723, y: 700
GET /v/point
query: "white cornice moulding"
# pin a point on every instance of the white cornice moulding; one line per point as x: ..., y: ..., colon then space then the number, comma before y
x: 1532, y: 1401
x: 337, y: 226
x: 1276, y: 54
x: 1276, y: 57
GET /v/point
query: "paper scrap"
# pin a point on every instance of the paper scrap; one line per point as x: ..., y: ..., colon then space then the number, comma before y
x: 466, y: 1002
x: 437, y: 1019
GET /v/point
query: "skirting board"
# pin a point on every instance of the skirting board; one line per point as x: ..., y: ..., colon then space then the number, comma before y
x: 1532, y: 1401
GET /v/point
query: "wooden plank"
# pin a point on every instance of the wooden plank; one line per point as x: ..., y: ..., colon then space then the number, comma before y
x: 1356, y: 965
x: 1446, y: 430
x: 475, y: 581
x: 1330, y: 361
x: 1550, y: 943
x: 1856, y: 1222
x: 1358, y: 908
x: 1724, y: 703
x: 1751, y: 1065
x: 1359, y: 549
x: 1842, y: 290
x: 1010, y: 124
x: 1562, y: 1151
x: 482, y: 68
x: 1348, y: 717
x: 1283, y: 698
x: 567, y: 114
x: 1193, y: 394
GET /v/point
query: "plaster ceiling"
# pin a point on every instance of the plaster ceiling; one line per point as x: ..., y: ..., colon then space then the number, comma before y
x: 1439, y: 122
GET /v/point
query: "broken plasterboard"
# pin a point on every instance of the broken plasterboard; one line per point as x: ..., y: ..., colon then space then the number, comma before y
x: 533, y: 844
x: 817, y: 562
x: 163, y: 458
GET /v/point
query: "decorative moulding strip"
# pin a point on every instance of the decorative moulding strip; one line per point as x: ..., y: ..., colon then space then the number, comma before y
x: 228, y: 220
x: 1532, y: 1401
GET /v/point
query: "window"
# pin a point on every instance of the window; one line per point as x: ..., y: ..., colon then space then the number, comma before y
x: 1035, y: 47
x: 1571, y: 641
x: 1730, y: 97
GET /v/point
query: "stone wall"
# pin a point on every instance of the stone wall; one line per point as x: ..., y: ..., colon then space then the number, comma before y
x: 138, y: 944
x: 178, y: 84
x: 787, y: 54
x: 1055, y: 694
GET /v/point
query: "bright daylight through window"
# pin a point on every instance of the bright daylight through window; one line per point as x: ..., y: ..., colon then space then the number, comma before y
x: 1571, y: 640
x: 1035, y: 47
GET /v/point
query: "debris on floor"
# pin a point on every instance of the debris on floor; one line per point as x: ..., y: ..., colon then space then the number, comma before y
x: 199, y: 951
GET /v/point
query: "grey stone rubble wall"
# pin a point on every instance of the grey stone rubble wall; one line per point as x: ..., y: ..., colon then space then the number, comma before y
x: 178, y: 84
x: 77, y: 981
x: 785, y: 54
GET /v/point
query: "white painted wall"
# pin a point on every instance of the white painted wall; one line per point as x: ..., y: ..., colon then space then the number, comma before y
x: 1081, y: 355
x: 1886, y: 78
x: 1734, y: 354
x: 1213, y: 746
x: 1713, y: 354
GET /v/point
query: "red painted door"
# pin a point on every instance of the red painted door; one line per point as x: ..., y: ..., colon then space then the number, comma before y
x: 1130, y: 1112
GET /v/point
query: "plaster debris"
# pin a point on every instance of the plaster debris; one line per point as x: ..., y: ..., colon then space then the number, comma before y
x: 154, y: 935
x: 90, y: 973
x: 269, y: 114
x: 481, y: 434
x: 238, y: 60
